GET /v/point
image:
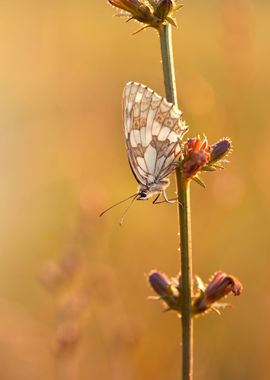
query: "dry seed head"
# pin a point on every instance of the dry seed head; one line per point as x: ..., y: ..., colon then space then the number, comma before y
x: 152, y: 13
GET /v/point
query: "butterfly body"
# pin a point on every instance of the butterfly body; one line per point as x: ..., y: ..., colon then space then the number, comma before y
x: 145, y: 192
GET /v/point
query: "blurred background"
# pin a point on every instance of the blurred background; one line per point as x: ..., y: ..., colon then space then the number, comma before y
x: 73, y: 289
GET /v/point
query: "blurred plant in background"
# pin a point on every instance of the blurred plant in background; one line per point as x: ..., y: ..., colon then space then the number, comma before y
x: 62, y: 146
x: 63, y: 280
x: 84, y: 292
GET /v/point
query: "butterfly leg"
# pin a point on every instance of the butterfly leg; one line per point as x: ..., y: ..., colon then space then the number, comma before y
x: 167, y: 200
x: 155, y: 200
x: 174, y: 200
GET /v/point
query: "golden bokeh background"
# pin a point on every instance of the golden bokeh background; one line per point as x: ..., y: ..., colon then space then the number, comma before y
x: 73, y: 289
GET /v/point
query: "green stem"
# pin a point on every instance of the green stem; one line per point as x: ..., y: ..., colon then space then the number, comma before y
x: 183, y: 187
x: 183, y: 214
x: 165, y: 33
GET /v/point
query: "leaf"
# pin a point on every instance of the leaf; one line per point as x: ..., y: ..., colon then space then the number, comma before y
x: 208, y: 168
x: 171, y: 20
x: 215, y: 310
x: 177, y: 7
x: 199, y: 181
x: 218, y: 166
x: 199, y: 284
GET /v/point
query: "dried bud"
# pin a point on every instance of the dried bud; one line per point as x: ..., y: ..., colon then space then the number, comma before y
x: 136, y: 8
x: 126, y: 5
x: 166, y: 289
x: 152, y: 13
x: 163, y: 9
x: 219, y: 286
x: 196, y: 156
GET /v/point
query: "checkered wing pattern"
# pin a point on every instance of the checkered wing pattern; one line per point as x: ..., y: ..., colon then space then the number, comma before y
x: 153, y: 128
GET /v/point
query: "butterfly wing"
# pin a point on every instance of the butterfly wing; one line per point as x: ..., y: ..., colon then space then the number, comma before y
x: 153, y: 127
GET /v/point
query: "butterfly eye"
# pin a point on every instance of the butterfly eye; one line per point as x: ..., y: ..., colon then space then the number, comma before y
x: 143, y: 195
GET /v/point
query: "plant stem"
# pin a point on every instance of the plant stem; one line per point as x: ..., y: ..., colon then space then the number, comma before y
x: 183, y: 188
x: 165, y: 33
x: 183, y: 192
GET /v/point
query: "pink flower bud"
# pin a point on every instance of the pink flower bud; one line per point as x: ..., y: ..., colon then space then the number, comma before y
x: 196, y: 156
x: 219, y: 286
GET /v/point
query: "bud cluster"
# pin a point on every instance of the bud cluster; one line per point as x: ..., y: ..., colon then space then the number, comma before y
x: 196, y: 156
x: 152, y: 13
x: 206, y: 296
x: 199, y: 156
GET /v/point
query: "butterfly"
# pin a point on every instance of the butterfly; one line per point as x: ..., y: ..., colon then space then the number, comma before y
x: 153, y: 131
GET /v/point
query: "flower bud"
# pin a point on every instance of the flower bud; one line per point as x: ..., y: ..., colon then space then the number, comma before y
x: 165, y: 288
x: 163, y: 9
x: 126, y: 5
x: 219, y: 286
x: 220, y: 149
x: 152, y: 13
x: 196, y: 156
x: 136, y: 8
x: 159, y: 283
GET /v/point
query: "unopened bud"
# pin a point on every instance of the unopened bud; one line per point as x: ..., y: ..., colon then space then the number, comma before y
x: 159, y: 283
x: 219, y: 286
x: 127, y: 5
x: 166, y: 289
x: 220, y: 150
x: 137, y: 9
x: 152, y: 13
x: 163, y: 9
x: 196, y: 156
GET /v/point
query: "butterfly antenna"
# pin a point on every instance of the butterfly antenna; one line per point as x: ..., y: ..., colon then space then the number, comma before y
x: 126, y: 210
x: 118, y: 203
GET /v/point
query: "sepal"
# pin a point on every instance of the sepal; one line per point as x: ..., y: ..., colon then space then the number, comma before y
x: 199, y: 181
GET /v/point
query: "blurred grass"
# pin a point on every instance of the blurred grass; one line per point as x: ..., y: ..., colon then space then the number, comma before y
x: 63, y: 68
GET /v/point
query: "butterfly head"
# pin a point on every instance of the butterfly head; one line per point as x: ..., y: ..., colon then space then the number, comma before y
x: 147, y: 191
x: 143, y: 195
